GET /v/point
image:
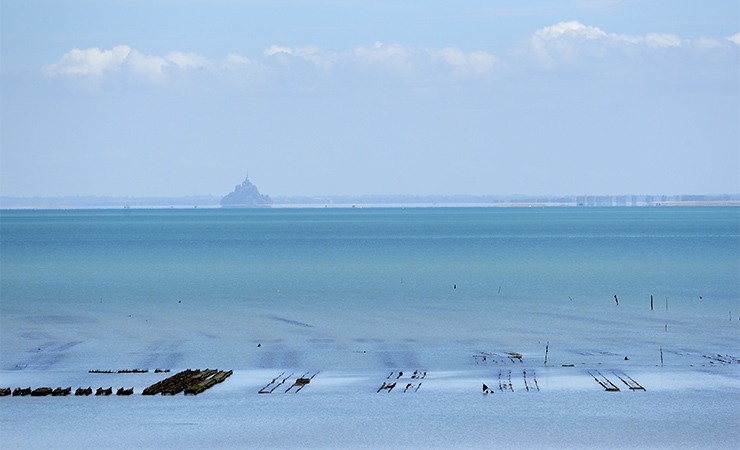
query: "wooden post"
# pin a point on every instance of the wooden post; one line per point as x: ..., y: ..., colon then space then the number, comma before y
x: 661, y: 356
x: 651, y: 303
x: 547, y: 349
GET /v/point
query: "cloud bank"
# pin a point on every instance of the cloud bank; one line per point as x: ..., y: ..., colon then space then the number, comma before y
x: 565, y: 44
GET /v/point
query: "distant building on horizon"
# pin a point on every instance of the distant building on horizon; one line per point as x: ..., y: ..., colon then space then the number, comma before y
x: 246, y: 195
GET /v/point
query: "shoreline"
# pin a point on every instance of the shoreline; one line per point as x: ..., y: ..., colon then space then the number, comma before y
x: 730, y: 203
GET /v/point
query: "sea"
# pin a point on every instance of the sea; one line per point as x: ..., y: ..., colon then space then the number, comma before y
x: 356, y: 295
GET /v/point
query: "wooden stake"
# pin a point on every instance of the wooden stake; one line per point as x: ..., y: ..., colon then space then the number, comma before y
x: 547, y: 349
x: 651, y: 303
x: 661, y: 356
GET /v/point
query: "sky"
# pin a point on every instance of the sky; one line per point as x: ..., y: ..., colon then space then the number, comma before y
x: 353, y: 97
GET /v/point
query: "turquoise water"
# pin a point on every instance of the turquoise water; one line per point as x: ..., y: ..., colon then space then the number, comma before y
x: 344, y: 256
x: 339, y: 277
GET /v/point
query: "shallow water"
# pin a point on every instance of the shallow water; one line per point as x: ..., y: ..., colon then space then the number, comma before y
x: 358, y: 293
x: 420, y: 287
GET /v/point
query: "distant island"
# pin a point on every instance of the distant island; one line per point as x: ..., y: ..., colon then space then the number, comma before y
x: 246, y: 195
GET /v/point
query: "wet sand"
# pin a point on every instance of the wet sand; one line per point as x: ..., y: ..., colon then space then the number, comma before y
x: 553, y: 407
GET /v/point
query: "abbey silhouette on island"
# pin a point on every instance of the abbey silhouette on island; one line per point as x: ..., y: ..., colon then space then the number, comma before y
x: 246, y: 195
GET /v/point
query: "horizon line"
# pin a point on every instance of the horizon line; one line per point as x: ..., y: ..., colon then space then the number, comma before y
x: 103, y: 196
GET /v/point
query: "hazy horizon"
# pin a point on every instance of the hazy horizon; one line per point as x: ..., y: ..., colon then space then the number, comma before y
x: 372, y: 194
x: 162, y: 99
x: 207, y: 200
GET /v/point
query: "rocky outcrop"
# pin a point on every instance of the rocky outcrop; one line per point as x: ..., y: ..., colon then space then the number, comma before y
x: 122, y: 391
x: 62, y: 392
x: 81, y: 391
x: 41, y: 392
x: 102, y: 391
x: 246, y: 195
x: 21, y: 392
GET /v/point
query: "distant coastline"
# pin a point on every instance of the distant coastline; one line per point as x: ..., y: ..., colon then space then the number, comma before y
x: 380, y: 201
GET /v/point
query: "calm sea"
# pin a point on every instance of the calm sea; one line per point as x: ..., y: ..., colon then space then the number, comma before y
x: 325, y: 280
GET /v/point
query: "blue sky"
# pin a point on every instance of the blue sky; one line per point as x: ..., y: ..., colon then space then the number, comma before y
x: 170, y: 98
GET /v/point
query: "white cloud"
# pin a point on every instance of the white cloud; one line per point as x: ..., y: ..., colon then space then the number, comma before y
x: 187, y: 60
x: 235, y: 58
x: 275, y: 49
x: 572, y: 28
x: 628, y: 39
x: 146, y: 66
x: 393, y: 55
x: 91, y: 61
x: 663, y: 40
x: 575, y: 31
x: 235, y: 61
x: 473, y: 63
x: 324, y: 60
x: 706, y: 43
x: 451, y: 55
x: 568, y: 42
x: 563, y: 44
x: 310, y: 53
